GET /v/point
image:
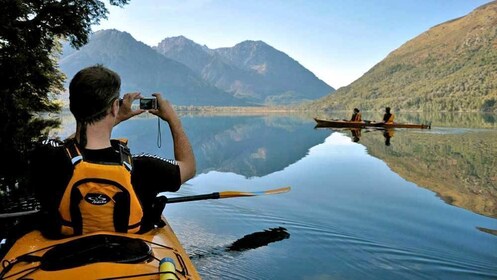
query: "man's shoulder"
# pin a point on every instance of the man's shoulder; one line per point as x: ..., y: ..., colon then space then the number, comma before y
x: 53, y: 142
x: 49, y: 156
x: 49, y: 147
x: 154, y: 158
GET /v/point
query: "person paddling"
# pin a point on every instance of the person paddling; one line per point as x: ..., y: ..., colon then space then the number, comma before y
x: 356, y: 116
x: 388, y: 117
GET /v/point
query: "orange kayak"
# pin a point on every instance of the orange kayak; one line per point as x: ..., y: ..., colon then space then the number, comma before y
x: 101, y: 255
x: 363, y: 124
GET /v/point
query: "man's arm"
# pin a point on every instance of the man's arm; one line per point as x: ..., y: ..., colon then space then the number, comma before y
x: 125, y: 111
x: 183, y: 152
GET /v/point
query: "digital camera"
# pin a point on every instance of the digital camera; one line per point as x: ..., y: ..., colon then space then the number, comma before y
x: 148, y: 103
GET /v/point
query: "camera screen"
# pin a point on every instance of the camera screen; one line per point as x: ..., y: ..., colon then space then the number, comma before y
x: 147, y: 103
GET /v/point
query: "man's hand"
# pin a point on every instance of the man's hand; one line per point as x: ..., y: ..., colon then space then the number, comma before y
x: 164, y: 109
x: 125, y: 111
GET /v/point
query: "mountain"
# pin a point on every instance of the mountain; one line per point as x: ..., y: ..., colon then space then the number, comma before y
x: 251, y: 70
x: 143, y: 69
x: 450, y: 67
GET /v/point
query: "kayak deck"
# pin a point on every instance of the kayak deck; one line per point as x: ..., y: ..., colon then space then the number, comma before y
x: 162, y: 241
x: 363, y: 124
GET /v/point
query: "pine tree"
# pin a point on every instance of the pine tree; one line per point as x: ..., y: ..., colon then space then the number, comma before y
x: 30, y: 36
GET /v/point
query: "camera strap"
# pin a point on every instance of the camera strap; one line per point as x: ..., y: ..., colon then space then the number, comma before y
x: 159, y: 135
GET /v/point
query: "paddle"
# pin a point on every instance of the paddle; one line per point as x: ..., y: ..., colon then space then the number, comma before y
x: 225, y: 194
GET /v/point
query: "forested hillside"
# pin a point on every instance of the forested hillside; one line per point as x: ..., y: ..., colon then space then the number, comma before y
x: 450, y: 67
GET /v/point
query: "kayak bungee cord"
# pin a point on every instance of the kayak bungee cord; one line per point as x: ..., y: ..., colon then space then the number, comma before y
x: 7, y: 265
x: 32, y: 269
x: 178, y: 256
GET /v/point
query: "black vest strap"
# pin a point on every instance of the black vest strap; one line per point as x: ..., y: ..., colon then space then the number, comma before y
x: 73, y: 152
x: 126, y: 158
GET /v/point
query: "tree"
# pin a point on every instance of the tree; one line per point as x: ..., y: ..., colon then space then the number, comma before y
x: 30, y: 36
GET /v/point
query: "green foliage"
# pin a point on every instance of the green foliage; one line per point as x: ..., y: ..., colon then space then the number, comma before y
x: 30, y: 32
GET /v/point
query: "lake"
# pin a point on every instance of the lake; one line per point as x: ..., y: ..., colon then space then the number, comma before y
x: 422, y: 207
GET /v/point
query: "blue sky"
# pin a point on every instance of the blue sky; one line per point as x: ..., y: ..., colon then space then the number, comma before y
x: 338, y: 40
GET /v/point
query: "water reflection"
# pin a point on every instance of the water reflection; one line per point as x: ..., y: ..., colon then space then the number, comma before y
x: 246, y: 145
x: 356, y: 133
x: 458, y: 164
x: 349, y: 215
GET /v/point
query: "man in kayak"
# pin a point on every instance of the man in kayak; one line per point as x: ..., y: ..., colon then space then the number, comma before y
x: 107, y: 164
x: 388, y: 117
x: 356, y: 116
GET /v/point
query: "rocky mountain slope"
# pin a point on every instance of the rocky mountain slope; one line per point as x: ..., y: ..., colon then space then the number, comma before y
x: 251, y: 70
x: 143, y: 69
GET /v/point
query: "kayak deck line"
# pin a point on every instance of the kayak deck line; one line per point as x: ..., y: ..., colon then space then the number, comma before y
x: 161, y: 243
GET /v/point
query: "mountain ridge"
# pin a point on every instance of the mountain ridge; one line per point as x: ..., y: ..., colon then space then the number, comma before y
x: 142, y: 69
x: 251, y: 70
x: 192, y: 74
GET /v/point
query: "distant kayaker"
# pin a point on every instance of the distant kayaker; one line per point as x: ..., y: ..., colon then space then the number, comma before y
x: 91, y: 182
x: 388, y: 117
x: 356, y: 116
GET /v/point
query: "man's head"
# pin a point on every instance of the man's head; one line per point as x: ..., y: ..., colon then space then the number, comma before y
x: 356, y: 110
x: 92, y: 92
x: 387, y: 109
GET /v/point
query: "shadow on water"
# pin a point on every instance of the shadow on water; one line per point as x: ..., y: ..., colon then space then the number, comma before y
x: 259, y: 239
x: 248, y: 242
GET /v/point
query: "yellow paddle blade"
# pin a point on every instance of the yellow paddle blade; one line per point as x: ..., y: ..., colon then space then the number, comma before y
x: 227, y: 194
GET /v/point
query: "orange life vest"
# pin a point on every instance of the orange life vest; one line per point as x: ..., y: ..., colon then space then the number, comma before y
x: 356, y: 117
x: 99, y: 196
x: 390, y: 119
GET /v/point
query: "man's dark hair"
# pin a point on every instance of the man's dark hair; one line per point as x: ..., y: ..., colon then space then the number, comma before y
x: 91, y: 93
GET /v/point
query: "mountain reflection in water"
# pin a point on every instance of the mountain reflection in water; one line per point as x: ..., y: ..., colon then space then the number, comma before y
x: 458, y: 164
x: 246, y: 145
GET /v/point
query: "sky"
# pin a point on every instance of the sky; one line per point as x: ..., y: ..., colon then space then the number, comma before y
x: 337, y: 40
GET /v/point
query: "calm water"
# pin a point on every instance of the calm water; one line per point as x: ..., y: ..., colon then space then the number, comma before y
x: 423, y: 207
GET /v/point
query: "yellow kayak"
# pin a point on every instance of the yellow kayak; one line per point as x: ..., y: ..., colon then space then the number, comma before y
x: 156, y: 254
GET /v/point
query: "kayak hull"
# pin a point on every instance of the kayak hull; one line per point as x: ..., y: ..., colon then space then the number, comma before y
x: 163, y: 243
x: 361, y: 124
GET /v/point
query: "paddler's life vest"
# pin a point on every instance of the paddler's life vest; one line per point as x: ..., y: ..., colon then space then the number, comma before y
x: 390, y: 118
x: 357, y: 117
x: 99, y: 196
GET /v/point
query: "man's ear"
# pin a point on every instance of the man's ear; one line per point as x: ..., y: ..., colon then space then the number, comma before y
x: 115, y: 108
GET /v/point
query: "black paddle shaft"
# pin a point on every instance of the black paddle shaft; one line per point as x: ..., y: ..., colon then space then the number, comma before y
x: 214, y: 195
